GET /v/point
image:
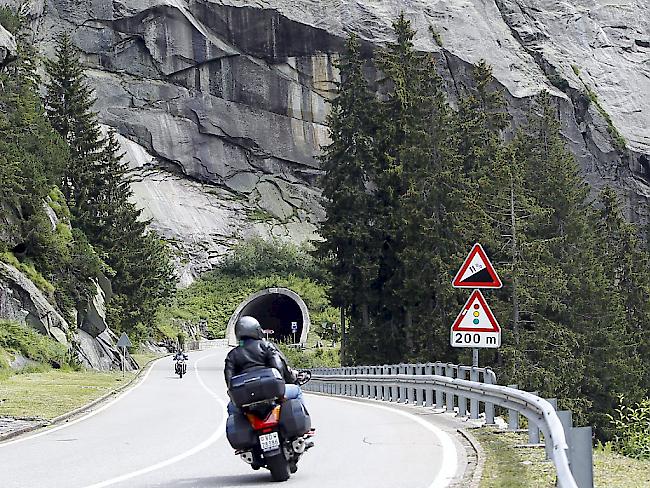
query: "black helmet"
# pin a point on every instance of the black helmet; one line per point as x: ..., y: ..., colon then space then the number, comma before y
x: 248, y: 326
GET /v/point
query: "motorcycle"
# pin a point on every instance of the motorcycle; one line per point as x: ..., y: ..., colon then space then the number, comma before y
x: 180, y: 368
x: 269, y: 432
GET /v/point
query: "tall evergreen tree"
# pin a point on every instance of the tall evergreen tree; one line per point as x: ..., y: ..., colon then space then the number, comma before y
x: 349, y: 162
x: 420, y: 200
x: 96, y: 185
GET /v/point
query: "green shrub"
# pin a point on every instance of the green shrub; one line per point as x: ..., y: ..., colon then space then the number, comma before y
x: 17, y: 338
x: 259, y: 257
x: 28, y: 270
x: 311, y: 358
x: 9, y: 19
x: 253, y: 266
x: 632, y: 429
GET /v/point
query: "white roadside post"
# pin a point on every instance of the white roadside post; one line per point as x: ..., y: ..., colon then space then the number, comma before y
x: 122, y: 343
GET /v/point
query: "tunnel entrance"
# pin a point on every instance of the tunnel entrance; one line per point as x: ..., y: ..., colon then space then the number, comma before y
x: 276, y: 309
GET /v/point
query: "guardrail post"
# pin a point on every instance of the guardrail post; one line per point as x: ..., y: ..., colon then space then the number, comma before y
x: 412, y: 392
x: 473, y: 403
x: 402, y: 389
x: 533, y: 430
x: 439, y: 371
x: 489, y: 378
x: 582, y: 461
x: 449, y: 371
x: 548, y: 447
x: 429, y: 401
x: 566, y: 419
x: 382, y: 390
x: 462, y: 400
x: 513, y: 415
x: 392, y: 389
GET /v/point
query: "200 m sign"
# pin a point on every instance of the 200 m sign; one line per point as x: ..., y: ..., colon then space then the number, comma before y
x: 475, y: 339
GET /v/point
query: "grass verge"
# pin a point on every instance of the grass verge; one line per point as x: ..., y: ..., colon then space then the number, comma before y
x: 52, y: 393
x: 508, y: 466
x: 144, y: 358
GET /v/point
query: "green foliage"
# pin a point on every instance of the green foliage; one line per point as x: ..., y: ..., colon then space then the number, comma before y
x: 259, y: 257
x: 402, y: 213
x: 253, y: 265
x: 311, y: 358
x: 95, y: 184
x: 632, y: 426
x: 10, y: 19
x: 28, y: 270
x: 16, y: 338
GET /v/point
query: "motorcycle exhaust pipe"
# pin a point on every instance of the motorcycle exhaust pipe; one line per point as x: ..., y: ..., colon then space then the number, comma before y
x: 247, y: 457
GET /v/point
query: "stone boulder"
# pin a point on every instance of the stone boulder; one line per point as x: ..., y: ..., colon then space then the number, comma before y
x: 22, y: 301
x: 7, y: 47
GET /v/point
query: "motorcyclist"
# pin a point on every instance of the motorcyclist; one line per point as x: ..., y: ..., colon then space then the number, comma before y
x: 180, y: 355
x: 254, y: 352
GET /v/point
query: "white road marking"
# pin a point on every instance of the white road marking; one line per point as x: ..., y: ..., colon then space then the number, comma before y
x: 449, y: 461
x: 221, y: 429
x: 85, y: 417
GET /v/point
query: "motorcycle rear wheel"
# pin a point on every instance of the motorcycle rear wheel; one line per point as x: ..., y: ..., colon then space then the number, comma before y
x: 279, y: 467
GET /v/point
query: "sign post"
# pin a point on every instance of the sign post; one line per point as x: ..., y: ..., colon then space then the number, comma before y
x: 268, y: 332
x: 294, y: 329
x: 476, y: 326
x: 122, y: 343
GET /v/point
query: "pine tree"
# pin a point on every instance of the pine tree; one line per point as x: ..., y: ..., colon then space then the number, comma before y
x: 348, y: 163
x: 419, y: 201
x: 96, y: 185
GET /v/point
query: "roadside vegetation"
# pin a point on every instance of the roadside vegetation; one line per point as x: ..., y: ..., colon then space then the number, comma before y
x: 65, y: 213
x: 254, y: 265
x: 411, y: 183
x: 508, y: 465
x: 50, y: 393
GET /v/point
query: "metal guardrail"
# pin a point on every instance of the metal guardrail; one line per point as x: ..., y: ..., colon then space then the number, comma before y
x: 427, y: 396
x: 417, y: 385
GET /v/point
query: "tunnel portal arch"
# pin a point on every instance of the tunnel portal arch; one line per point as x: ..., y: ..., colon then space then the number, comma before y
x: 275, y: 308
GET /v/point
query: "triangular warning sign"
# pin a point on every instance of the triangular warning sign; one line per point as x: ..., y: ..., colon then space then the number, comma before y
x: 477, y: 271
x: 476, y: 316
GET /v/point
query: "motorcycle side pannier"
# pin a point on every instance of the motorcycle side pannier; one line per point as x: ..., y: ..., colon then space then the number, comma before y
x: 294, y: 419
x: 239, y: 431
x: 256, y: 386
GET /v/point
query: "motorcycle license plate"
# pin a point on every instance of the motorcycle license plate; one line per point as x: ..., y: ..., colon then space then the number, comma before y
x: 270, y: 441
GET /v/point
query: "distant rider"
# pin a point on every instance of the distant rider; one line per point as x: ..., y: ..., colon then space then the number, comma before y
x: 180, y: 355
x: 253, y: 352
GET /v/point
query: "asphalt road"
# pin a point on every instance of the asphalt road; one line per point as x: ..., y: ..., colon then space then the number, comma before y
x: 169, y: 432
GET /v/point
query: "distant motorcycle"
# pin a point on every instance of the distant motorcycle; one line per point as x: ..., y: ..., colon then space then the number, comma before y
x: 180, y: 368
x: 270, y: 431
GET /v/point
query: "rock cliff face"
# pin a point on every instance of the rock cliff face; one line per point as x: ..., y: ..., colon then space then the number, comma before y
x: 221, y: 105
x: 7, y: 47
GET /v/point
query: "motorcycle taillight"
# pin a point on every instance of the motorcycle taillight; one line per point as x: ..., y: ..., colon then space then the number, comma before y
x: 271, y: 420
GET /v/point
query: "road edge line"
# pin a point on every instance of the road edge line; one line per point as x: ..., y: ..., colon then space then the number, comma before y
x: 444, y: 478
x: 216, y: 435
x: 15, y: 436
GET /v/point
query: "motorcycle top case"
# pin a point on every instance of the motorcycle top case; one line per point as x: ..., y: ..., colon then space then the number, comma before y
x: 256, y: 386
x: 294, y: 419
x: 239, y: 432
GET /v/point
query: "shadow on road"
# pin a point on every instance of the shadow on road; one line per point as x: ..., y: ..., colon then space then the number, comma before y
x: 262, y: 477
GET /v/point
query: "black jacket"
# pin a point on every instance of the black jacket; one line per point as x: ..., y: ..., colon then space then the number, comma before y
x: 255, y: 354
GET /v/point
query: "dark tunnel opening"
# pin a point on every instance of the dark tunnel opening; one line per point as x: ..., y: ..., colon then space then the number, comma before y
x: 276, y: 311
